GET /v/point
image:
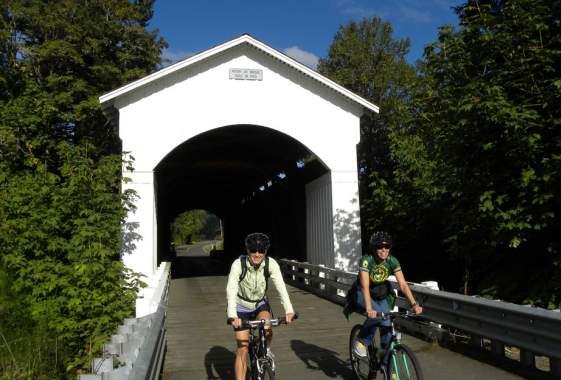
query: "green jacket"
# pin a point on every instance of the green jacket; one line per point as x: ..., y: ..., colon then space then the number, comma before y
x: 253, y: 285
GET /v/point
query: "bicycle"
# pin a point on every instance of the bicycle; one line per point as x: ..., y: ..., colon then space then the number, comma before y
x: 401, y: 362
x: 261, y: 366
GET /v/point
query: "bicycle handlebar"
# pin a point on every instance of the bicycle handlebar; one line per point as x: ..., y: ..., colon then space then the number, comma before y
x: 393, y: 314
x: 264, y: 322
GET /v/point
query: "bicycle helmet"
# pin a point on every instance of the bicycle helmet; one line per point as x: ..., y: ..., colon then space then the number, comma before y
x: 380, y: 238
x: 257, y: 242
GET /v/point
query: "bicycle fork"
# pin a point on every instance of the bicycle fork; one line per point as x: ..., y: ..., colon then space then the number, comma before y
x: 399, y: 366
x: 262, y: 357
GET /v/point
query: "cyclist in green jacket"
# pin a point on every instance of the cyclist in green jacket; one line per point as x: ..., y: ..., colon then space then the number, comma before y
x: 374, y: 290
x: 247, y: 294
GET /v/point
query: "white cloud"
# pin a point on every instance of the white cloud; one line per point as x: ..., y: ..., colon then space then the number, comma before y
x: 417, y: 15
x: 406, y: 9
x: 302, y: 56
x: 354, y: 9
x: 169, y: 57
x: 446, y: 4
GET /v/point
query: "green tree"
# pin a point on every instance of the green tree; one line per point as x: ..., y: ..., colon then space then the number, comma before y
x: 60, y: 238
x: 60, y: 163
x: 188, y: 226
x: 62, y: 55
x: 211, y: 229
x: 396, y: 176
x: 490, y: 119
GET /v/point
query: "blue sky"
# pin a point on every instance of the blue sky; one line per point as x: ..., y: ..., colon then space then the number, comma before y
x: 303, y: 29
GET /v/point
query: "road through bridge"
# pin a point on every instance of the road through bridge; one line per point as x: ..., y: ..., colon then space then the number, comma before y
x: 201, y: 346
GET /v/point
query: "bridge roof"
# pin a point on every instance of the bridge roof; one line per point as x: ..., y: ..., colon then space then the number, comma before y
x: 108, y: 99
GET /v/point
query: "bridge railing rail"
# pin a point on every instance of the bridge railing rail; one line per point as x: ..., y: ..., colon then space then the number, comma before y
x: 136, y: 351
x: 534, y: 331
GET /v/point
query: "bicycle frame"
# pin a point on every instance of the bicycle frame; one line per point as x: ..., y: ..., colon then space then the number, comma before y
x: 259, y: 361
x: 392, y: 367
x: 395, y: 339
x: 258, y: 348
x: 396, y: 361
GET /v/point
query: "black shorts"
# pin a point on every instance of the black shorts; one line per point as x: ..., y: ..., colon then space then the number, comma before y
x: 252, y: 315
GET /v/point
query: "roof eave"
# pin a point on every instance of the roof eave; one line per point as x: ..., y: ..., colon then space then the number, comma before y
x: 108, y: 99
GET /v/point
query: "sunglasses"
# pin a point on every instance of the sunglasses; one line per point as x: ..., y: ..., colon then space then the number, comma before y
x: 382, y: 246
x: 257, y: 251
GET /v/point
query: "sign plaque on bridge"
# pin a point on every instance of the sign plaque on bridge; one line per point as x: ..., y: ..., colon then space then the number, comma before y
x: 246, y: 74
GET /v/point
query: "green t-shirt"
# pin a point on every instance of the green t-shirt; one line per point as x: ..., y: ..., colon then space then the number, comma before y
x: 380, y: 288
x: 379, y: 271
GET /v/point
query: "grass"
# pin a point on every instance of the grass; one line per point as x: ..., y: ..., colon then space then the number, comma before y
x: 28, y: 352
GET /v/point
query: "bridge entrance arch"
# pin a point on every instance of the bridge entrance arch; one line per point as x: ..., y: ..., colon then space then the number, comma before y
x: 248, y: 133
x: 254, y: 178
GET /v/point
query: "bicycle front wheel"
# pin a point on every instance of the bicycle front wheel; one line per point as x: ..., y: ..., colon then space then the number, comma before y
x: 361, y: 365
x: 403, y: 364
x: 266, y: 373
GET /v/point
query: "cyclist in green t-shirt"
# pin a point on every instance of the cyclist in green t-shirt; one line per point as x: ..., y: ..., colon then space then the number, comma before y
x: 375, y: 293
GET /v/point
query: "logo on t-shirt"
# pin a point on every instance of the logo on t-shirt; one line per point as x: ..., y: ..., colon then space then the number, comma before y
x: 379, y: 273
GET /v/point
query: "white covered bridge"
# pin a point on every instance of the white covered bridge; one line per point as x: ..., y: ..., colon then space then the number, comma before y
x: 253, y: 136
x: 269, y: 145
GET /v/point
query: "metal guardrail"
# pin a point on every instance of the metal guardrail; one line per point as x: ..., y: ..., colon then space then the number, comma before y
x: 534, y: 331
x: 136, y: 352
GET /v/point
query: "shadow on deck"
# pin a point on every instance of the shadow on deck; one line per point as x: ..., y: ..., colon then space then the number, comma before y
x: 184, y: 267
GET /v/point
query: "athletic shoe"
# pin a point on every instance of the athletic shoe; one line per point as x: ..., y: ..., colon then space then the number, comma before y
x: 360, y: 349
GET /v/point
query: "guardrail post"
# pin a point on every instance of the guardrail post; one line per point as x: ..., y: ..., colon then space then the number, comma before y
x: 293, y: 268
x: 476, y: 341
x: 555, y: 367
x: 338, y: 292
x: 322, y: 275
x: 497, y: 348
x: 298, y: 279
x: 527, y: 358
x: 332, y: 288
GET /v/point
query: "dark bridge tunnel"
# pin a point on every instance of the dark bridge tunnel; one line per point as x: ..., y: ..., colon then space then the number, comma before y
x: 252, y: 177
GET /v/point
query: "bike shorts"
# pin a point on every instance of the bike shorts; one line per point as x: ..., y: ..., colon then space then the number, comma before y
x: 252, y: 315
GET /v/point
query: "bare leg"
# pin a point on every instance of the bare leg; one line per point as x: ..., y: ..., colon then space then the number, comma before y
x: 242, y: 340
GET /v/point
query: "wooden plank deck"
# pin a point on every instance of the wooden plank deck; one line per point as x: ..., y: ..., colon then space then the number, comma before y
x: 201, y: 346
